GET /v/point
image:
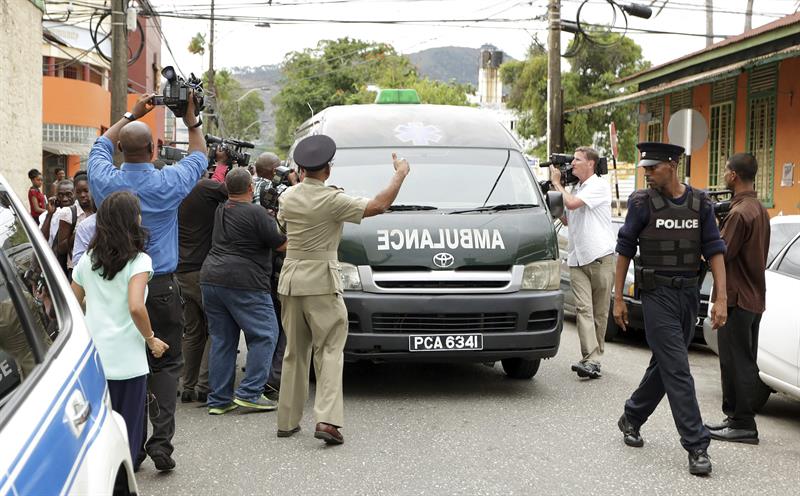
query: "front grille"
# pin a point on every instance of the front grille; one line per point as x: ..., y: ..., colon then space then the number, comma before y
x: 440, y: 284
x: 353, y: 323
x: 410, y: 323
x: 542, y: 321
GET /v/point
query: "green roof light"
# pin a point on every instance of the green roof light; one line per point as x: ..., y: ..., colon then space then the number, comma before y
x: 397, y: 96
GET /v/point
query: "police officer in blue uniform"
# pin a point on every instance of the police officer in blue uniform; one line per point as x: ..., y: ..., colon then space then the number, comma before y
x: 673, y: 224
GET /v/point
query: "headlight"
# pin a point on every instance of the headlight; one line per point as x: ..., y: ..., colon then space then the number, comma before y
x: 350, y: 278
x: 545, y: 275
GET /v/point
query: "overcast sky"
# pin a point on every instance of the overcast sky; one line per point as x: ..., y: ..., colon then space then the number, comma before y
x: 243, y: 44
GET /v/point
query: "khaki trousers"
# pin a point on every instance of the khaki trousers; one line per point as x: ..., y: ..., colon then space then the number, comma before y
x: 315, y: 323
x: 591, y: 285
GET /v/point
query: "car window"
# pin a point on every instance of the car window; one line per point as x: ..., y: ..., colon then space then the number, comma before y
x: 28, y: 321
x: 779, y: 235
x: 790, y: 264
x: 444, y: 178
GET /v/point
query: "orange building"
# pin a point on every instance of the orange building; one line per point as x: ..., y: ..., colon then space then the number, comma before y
x: 747, y: 89
x: 76, y: 101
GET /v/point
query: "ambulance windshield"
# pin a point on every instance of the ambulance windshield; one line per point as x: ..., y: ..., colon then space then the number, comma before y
x: 444, y: 178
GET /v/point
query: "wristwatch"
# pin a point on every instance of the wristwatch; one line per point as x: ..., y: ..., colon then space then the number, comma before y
x: 197, y: 124
x: 129, y: 116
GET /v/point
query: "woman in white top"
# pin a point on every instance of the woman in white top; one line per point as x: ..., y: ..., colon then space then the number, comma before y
x: 112, y: 278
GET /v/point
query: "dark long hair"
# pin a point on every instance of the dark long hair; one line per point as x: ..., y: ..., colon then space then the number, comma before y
x: 119, y: 236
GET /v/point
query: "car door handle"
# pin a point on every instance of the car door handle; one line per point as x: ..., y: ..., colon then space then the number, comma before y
x: 78, y: 411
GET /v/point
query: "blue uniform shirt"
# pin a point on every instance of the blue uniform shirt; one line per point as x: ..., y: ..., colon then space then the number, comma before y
x: 160, y: 193
x: 639, y: 216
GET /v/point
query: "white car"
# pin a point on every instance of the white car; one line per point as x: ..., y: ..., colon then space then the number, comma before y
x: 779, y: 332
x: 58, y: 433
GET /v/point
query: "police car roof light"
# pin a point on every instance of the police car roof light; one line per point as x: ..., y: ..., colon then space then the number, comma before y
x: 397, y: 96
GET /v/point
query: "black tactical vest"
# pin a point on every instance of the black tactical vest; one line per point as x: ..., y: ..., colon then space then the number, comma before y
x: 671, y: 240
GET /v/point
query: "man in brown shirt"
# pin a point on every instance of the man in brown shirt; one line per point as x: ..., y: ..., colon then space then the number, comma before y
x: 746, y: 233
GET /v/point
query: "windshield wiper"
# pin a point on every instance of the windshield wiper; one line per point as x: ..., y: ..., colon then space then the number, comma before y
x: 405, y: 208
x: 495, y: 208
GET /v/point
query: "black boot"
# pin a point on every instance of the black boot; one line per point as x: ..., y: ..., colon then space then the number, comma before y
x: 699, y: 462
x: 631, y: 433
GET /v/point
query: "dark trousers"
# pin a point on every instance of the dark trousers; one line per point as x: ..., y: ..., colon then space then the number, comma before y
x: 669, y: 320
x: 195, y: 333
x: 738, y: 347
x: 274, y: 379
x: 166, y: 317
x: 127, y: 399
x: 231, y: 312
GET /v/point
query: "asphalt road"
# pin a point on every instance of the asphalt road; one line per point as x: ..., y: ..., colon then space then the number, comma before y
x: 468, y: 429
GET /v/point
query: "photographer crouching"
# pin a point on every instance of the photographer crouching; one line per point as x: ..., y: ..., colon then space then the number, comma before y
x: 235, y: 282
x: 590, y: 254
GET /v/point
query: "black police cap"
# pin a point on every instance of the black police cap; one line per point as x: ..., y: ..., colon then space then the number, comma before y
x: 314, y: 152
x: 653, y: 153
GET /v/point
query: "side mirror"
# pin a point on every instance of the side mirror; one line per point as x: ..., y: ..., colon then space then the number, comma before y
x: 556, y: 204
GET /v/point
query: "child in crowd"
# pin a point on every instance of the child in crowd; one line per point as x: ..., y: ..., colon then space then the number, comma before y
x: 112, y: 277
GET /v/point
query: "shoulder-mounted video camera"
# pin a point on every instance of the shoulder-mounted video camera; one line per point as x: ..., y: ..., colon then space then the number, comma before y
x: 721, y: 201
x: 170, y: 154
x: 176, y: 92
x: 280, y: 183
x: 563, y: 162
x: 233, y: 147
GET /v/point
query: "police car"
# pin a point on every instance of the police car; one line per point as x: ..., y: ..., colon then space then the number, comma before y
x: 58, y: 433
x: 465, y: 265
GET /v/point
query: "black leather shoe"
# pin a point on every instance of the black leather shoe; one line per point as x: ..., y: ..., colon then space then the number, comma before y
x: 735, y: 435
x: 202, y: 398
x: 188, y: 396
x: 699, y: 462
x: 162, y: 461
x: 631, y: 434
x: 289, y: 433
x: 589, y: 370
x: 715, y: 427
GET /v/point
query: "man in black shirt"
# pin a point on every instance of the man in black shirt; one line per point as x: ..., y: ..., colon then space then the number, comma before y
x: 195, y: 225
x: 235, y: 281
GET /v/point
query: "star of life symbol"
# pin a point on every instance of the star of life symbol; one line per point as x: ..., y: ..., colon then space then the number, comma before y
x: 418, y: 133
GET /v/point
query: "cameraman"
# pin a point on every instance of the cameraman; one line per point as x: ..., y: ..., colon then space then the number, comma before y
x: 160, y: 193
x: 590, y: 255
x: 235, y: 282
x: 195, y: 226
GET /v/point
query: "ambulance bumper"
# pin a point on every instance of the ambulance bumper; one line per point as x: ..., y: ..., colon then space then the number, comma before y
x: 383, y: 327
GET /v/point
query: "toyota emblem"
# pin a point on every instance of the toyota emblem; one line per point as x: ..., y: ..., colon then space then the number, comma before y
x: 443, y: 260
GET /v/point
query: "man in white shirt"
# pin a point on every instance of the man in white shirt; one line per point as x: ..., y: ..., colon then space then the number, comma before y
x: 590, y: 255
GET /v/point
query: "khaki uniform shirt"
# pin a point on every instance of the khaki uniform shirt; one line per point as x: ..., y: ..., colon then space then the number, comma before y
x: 313, y: 215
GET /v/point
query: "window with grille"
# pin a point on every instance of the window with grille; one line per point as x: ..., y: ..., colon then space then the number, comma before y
x: 721, y: 129
x: 761, y: 126
x: 72, y: 72
x: 655, y: 107
x: 66, y: 133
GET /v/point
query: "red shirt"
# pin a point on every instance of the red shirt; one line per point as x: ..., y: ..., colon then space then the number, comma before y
x: 34, y: 195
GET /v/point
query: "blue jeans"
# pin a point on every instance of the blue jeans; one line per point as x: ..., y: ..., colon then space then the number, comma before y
x: 228, y: 310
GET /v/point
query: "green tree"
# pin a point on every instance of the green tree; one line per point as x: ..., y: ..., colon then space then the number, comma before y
x: 198, y: 44
x: 593, y: 72
x: 337, y: 72
x: 239, y: 110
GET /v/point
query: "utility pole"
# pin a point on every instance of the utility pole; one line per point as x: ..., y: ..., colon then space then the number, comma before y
x: 554, y: 123
x: 709, y: 22
x: 119, y: 64
x: 748, y: 16
x: 215, y: 108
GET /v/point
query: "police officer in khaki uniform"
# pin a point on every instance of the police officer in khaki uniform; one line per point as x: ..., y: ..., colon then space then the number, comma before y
x: 310, y: 290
